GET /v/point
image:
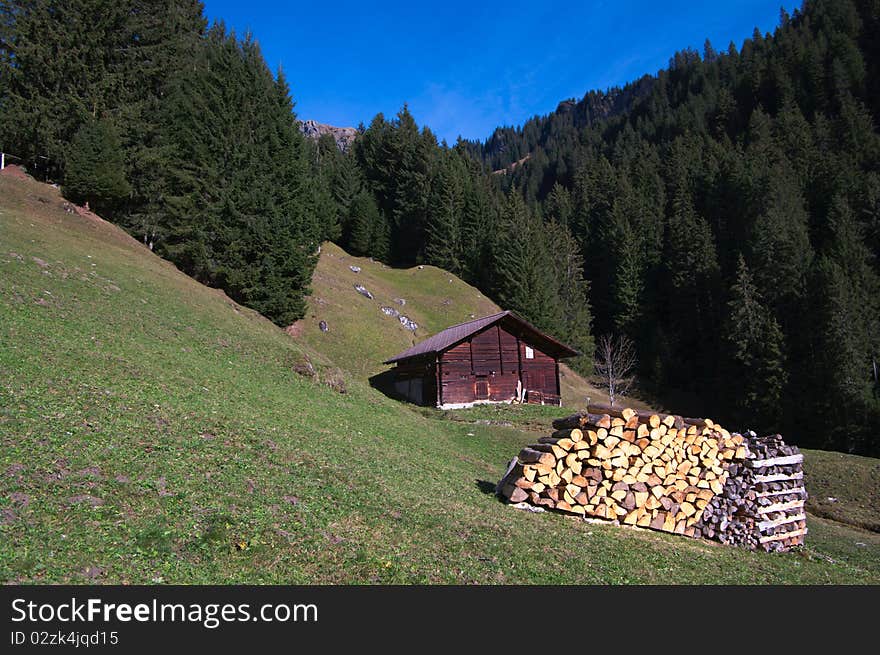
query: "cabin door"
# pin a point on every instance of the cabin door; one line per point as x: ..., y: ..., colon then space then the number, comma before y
x: 481, y: 388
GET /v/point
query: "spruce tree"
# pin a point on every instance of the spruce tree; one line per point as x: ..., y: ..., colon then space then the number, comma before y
x: 478, y: 230
x: 846, y: 295
x: 558, y: 205
x: 524, y: 277
x: 692, y: 272
x: 240, y: 212
x: 780, y: 247
x: 365, y: 225
x: 411, y: 152
x: 572, y: 296
x: 443, y: 232
x: 755, y: 373
x: 95, y: 167
x: 346, y: 182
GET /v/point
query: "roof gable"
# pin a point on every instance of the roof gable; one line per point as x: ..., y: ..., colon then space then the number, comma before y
x: 457, y: 333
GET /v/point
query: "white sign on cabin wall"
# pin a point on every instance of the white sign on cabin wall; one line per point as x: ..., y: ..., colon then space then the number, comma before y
x: 530, y: 354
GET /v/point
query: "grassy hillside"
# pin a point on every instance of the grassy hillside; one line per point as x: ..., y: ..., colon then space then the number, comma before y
x: 360, y: 337
x: 153, y: 431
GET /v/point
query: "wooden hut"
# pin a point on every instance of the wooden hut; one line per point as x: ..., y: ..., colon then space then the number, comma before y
x: 497, y: 358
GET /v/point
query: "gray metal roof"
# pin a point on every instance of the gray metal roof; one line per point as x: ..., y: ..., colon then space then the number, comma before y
x: 452, y: 335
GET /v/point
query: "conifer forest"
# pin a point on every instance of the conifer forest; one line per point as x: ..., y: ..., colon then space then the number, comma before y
x: 723, y: 213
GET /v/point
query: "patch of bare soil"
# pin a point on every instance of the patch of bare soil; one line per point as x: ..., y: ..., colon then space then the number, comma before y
x: 15, y: 171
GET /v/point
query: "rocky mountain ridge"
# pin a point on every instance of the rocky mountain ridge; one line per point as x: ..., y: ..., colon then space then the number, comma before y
x: 344, y: 136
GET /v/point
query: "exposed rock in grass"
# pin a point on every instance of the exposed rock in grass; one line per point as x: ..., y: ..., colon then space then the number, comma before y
x: 304, y: 368
x: 363, y: 291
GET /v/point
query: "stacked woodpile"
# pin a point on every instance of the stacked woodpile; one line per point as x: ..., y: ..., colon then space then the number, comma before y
x: 665, y: 472
x: 762, y: 504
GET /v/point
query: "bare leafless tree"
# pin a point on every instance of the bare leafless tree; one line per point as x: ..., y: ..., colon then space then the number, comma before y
x: 615, y: 364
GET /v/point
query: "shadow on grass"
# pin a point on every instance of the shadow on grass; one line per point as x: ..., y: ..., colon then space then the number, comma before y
x: 486, y: 487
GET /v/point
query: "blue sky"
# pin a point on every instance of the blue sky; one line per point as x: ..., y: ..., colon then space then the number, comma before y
x: 467, y: 67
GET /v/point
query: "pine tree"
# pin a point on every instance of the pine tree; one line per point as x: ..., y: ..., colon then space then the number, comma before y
x: 572, y: 296
x: 238, y: 215
x: 525, y: 282
x: 443, y: 232
x: 756, y: 373
x: 780, y: 247
x: 692, y: 271
x: 96, y: 168
x: 366, y: 225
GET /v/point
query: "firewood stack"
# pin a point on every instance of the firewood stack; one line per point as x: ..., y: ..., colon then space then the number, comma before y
x: 727, y: 517
x: 665, y: 472
x: 780, y: 494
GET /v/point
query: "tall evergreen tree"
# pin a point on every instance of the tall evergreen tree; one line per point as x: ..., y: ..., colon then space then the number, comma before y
x: 443, y: 233
x: 346, y: 183
x: 693, y: 274
x: 80, y: 60
x: 237, y: 216
x: 524, y: 281
x: 572, y: 295
x: 780, y: 246
x: 412, y: 154
x: 96, y: 167
x: 755, y: 375
x: 478, y: 221
x: 366, y: 225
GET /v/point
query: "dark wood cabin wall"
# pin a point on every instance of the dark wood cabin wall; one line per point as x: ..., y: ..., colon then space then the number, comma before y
x: 539, y: 373
x: 457, y: 378
x: 415, y: 379
x: 497, y: 355
x: 484, y: 352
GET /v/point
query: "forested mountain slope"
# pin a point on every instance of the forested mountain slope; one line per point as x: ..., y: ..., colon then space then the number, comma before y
x: 154, y: 431
x: 728, y: 216
x: 724, y: 213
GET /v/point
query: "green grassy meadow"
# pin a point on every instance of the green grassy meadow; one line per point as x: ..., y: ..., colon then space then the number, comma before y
x: 153, y: 431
